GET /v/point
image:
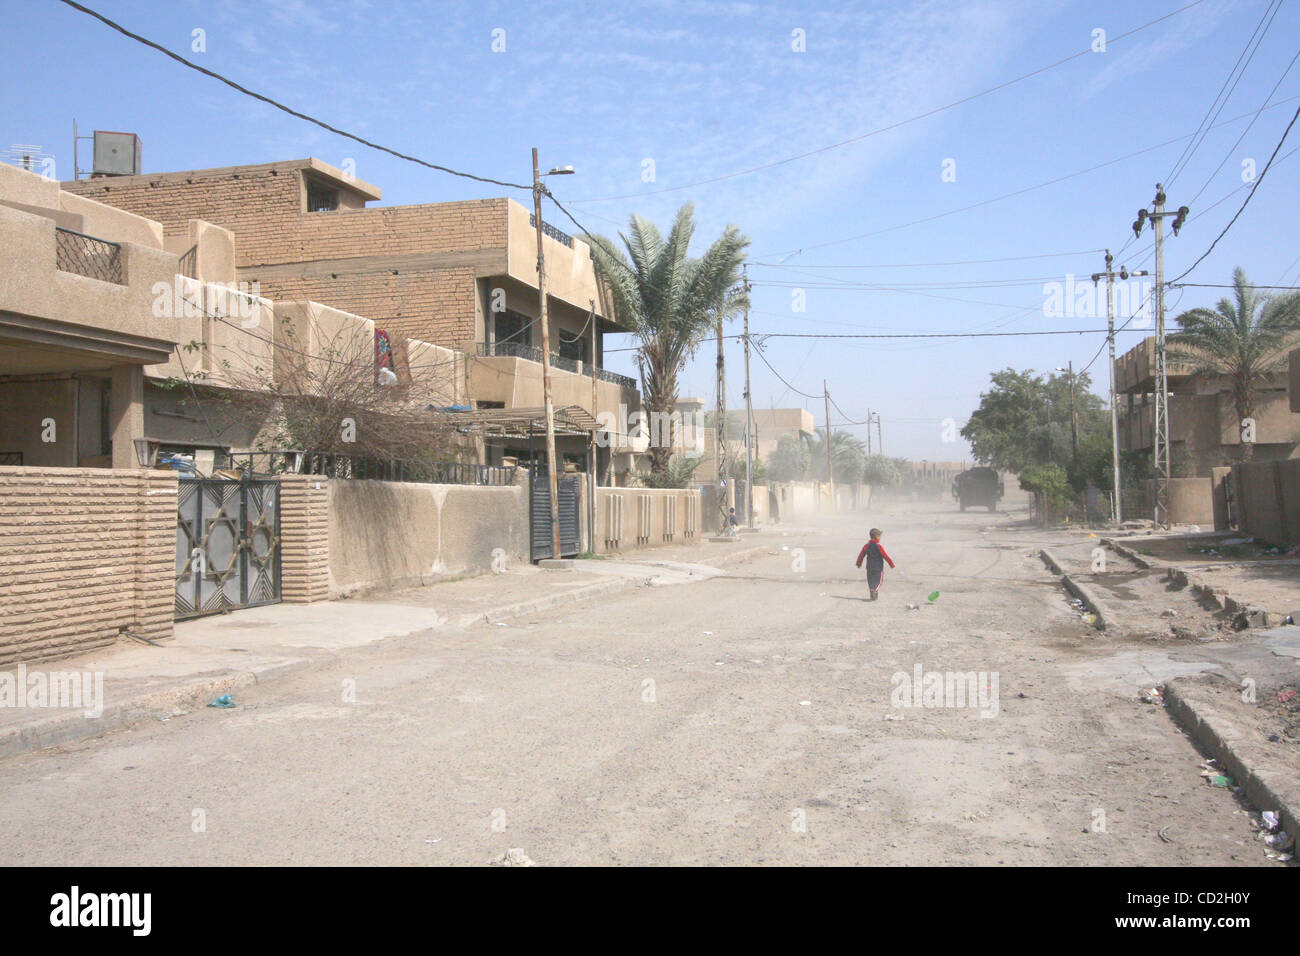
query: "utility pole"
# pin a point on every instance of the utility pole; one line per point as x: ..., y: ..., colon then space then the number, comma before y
x: 868, y: 431
x: 1074, y: 419
x: 720, y: 433
x: 880, y: 436
x: 1161, y: 388
x: 749, y: 415
x: 830, y: 474
x: 553, y: 477
x: 1114, y: 411
x: 593, y: 454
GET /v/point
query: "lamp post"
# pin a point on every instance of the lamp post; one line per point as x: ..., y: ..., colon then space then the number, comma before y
x: 553, y: 477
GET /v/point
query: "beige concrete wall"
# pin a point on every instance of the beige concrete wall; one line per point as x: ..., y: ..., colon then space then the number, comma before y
x: 570, y: 272
x: 84, y: 554
x: 31, y: 283
x: 1268, y: 500
x: 631, y: 518
x: 518, y: 383
x: 106, y: 222
x: 30, y: 412
x: 391, y: 534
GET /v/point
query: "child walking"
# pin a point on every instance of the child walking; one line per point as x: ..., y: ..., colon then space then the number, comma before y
x: 875, y: 554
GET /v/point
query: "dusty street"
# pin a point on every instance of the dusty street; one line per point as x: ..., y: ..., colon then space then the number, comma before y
x: 743, y: 719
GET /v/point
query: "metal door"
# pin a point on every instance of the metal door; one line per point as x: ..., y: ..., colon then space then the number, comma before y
x: 227, y: 545
x: 540, y: 517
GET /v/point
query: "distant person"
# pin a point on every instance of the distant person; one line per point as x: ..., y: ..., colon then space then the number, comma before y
x: 732, y: 523
x: 875, y: 554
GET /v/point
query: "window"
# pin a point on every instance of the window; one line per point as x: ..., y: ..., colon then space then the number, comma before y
x: 512, y: 328
x: 321, y: 198
x: 572, y: 346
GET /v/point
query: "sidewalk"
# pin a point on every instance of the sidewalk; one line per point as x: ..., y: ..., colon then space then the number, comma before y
x: 219, y: 654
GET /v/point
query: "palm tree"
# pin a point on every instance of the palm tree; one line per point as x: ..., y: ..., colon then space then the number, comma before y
x: 1244, y: 341
x: 668, y: 300
x: 848, y: 456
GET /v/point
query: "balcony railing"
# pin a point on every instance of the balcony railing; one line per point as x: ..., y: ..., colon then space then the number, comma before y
x: 87, y: 256
x: 549, y: 230
x: 516, y: 350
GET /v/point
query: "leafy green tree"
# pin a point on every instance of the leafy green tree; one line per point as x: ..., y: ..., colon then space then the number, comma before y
x: 789, y: 460
x: 669, y: 300
x: 880, y: 471
x: 1245, y: 340
x: 1051, y: 484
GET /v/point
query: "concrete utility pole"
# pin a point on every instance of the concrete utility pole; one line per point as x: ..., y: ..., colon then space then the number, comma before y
x: 1114, y: 410
x: 749, y: 415
x: 868, y: 431
x: 1161, y: 430
x: 553, y: 476
x: 880, y: 436
x: 830, y: 473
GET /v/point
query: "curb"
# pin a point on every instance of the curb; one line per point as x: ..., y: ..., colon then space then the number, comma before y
x: 65, y: 727
x: 1079, y: 590
x: 1126, y: 552
x: 1218, y: 736
x: 1248, y: 615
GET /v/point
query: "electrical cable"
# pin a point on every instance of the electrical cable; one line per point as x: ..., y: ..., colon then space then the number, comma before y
x: 891, y: 126
x: 280, y: 106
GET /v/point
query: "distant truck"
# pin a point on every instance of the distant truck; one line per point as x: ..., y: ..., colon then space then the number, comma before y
x: 978, y: 486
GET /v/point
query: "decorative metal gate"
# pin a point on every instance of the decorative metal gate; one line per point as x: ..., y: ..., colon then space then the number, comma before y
x: 227, y: 545
x: 540, y: 517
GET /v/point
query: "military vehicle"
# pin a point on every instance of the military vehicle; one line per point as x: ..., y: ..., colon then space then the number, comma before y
x: 978, y: 486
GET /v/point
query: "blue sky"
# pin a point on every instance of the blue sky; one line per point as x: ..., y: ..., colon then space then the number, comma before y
x: 704, y: 90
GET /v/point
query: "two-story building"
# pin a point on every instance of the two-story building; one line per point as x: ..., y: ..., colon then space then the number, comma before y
x: 459, y: 275
x: 1204, y: 431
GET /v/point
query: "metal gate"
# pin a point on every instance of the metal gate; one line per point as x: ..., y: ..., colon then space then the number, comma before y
x: 540, y: 517
x: 227, y: 545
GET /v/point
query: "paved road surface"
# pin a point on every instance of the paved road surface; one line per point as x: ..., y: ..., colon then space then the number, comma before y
x: 742, y: 719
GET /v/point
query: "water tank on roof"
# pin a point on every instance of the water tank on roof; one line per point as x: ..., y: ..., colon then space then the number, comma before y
x: 116, y: 154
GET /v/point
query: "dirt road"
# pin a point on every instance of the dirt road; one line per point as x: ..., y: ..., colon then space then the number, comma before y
x: 749, y: 718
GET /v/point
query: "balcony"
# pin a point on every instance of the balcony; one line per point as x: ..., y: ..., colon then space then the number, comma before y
x: 87, y: 256
x: 548, y: 230
x: 532, y: 354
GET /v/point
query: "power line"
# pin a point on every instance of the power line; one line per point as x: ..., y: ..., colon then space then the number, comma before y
x: 1186, y: 155
x: 1021, y: 192
x: 1245, y: 202
x: 892, y: 126
x: 918, y: 265
x: 280, y: 106
x: 759, y: 353
x: 1249, y: 126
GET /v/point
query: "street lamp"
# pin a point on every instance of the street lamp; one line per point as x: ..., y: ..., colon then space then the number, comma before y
x: 553, y: 478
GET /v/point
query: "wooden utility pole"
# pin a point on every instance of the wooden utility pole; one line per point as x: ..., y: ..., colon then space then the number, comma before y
x: 553, y: 476
x: 830, y: 474
x: 720, y: 433
x: 749, y: 416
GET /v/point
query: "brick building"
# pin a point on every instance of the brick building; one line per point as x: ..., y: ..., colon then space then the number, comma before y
x: 461, y: 275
